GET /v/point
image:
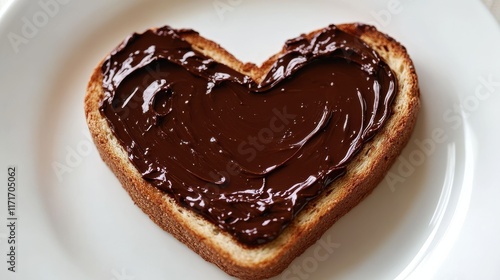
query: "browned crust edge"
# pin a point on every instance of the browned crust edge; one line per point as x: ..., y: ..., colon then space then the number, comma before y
x: 364, y: 173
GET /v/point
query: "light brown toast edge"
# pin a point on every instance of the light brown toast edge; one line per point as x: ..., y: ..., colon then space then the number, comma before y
x: 364, y: 173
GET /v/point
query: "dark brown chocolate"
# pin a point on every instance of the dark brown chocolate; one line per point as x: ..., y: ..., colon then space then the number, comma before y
x: 246, y: 156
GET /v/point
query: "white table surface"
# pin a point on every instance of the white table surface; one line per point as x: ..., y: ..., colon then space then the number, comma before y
x: 492, y: 5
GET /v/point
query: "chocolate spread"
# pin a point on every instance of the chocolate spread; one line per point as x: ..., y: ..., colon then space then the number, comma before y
x: 247, y: 156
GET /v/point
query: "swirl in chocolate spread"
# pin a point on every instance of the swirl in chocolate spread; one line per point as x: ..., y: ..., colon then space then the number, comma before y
x: 247, y: 156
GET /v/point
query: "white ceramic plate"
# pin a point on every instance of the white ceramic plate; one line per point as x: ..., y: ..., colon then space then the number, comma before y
x: 434, y: 217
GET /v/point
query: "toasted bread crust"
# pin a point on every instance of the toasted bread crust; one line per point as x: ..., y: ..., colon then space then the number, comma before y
x: 364, y: 173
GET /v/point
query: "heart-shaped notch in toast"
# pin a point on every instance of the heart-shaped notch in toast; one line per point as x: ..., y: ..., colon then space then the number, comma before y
x: 245, y: 147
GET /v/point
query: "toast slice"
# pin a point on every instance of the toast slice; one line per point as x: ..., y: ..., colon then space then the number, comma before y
x: 364, y: 172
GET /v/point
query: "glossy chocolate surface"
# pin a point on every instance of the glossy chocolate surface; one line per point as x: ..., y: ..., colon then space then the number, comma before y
x: 246, y: 156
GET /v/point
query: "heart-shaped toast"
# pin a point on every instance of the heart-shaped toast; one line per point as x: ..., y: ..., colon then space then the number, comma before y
x: 250, y: 165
